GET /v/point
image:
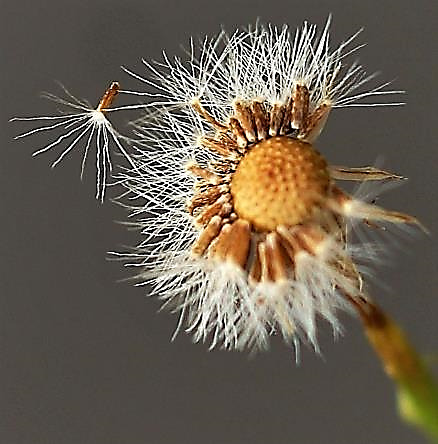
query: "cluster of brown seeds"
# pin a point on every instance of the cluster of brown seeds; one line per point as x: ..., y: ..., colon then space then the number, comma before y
x: 273, y: 195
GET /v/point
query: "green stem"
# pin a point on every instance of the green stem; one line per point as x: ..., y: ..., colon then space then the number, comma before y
x: 417, y: 392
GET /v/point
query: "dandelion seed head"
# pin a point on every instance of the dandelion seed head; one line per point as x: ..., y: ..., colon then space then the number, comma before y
x: 250, y: 225
x: 245, y: 227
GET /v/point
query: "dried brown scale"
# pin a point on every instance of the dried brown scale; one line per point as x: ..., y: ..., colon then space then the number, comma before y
x: 265, y: 272
x: 261, y: 121
x: 290, y: 240
x: 391, y: 216
x: 286, y: 125
x: 223, y: 168
x: 203, y: 173
x: 314, y: 123
x: 218, y: 147
x: 238, y: 132
x: 212, y: 193
x: 239, y: 243
x: 227, y: 140
x: 300, y: 106
x: 361, y: 173
x: 277, y: 255
x: 341, y: 202
x: 289, y: 251
x: 222, y: 207
x: 196, y: 104
x: 255, y: 268
x: 276, y: 119
x: 244, y: 116
x: 219, y: 246
x: 311, y: 238
x: 206, y: 236
x: 348, y: 269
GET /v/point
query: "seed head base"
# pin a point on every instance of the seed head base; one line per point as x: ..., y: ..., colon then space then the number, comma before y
x: 281, y: 181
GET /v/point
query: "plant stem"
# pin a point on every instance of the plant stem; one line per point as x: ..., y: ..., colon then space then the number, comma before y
x: 417, y: 392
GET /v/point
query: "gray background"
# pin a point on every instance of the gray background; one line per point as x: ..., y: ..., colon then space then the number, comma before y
x: 85, y: 358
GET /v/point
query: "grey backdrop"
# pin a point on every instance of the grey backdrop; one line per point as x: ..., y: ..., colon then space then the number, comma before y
x: 86, y: 359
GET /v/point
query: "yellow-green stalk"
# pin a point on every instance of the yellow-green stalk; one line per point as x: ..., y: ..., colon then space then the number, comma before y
x: 416, y: 390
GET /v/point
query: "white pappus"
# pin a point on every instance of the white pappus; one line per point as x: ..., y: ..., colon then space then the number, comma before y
x: 245, y: 230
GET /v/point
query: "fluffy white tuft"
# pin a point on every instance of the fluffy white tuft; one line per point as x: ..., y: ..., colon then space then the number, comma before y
x: 82, y: 126
x: 216, y: 301
x: 262, y: 63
